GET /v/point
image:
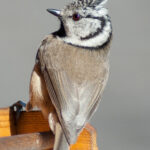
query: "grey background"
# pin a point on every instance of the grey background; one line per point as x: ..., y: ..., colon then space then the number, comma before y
x: 123, y: 118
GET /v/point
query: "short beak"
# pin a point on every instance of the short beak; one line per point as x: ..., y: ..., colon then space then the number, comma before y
x: 54, y: 12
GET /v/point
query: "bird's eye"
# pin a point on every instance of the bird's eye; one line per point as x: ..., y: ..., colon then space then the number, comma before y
x: 76, y: 17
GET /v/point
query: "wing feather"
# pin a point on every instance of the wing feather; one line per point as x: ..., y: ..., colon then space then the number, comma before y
x: 75, y: 102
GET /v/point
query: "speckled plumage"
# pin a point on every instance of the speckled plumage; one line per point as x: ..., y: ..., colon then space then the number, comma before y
x: 84, y: 3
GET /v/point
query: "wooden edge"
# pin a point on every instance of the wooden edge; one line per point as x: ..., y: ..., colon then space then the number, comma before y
x: 93, y: 134
x: 36, y: 141
x: 7, y: 126
x: 30, y: 122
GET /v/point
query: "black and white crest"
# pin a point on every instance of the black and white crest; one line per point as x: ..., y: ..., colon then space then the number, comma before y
x: 87, y: 3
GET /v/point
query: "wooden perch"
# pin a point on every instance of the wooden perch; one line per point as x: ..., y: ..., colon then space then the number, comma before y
x: 32, y: 141
x: 31, y: 131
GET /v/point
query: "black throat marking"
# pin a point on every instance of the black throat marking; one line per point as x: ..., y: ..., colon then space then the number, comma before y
x: 61, y: 32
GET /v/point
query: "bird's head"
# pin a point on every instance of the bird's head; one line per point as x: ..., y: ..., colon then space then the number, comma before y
x: 84, y: 23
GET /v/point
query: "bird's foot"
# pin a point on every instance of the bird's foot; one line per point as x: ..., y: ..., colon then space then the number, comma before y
x: 17, y: 108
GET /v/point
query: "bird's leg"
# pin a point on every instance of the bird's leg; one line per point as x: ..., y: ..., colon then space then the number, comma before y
x: 60, y: 139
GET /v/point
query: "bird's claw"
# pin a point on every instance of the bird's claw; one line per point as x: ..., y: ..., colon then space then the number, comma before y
x: 18, y: 107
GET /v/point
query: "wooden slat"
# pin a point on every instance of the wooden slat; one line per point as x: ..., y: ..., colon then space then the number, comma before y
x: 6, y: 122
x: 86, y: 140
x: 32, y: 141
x: 31, y: 122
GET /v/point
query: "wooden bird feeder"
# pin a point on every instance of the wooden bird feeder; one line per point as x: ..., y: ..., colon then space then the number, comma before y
x: 30, y: 131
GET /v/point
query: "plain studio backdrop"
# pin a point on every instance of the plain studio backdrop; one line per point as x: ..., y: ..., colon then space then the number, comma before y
x: 123, y: 118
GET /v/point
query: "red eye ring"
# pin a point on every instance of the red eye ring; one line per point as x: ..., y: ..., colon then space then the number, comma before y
x: 76, y: 17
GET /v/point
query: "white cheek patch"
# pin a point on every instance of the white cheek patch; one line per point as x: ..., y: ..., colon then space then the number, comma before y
x: 84, y: 29
x: 96, y: 41
x: 93, y: 30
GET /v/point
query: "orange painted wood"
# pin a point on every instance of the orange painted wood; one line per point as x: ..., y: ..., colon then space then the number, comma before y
x: 7, y: 127
x: 30, y: 122
x: 86, y: 139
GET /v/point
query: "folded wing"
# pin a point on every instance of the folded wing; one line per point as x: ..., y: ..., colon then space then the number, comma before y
x: 74, y: 102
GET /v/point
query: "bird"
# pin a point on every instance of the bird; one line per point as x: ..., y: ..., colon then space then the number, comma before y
x: 72, y: 68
